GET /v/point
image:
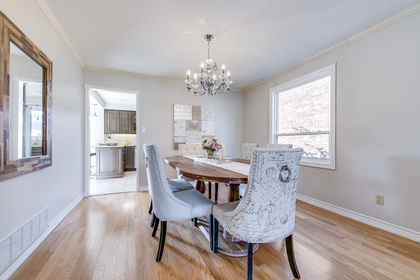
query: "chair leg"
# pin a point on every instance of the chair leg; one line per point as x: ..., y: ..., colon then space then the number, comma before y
x: 195, y: 222
x: 161, y: 241
x: 156, y: 227
x: 151, y: 207
x: 250, y: 254
x: 152, y: 222
x: 216, y: 191
x: 291, y: 256
x: 215, y: 233
x: 210, y: 190
x: 211, y: 231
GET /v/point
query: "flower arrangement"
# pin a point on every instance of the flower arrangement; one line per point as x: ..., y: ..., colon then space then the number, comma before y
x: 211, y: 146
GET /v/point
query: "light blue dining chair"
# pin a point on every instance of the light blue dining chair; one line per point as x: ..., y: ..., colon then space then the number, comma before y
x: 167, y: 205
x: 266, y: 213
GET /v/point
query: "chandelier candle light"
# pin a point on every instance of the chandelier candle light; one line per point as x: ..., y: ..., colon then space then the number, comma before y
x: 207, y: 81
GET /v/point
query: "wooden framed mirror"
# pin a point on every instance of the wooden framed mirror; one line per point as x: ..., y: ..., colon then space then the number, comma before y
x: 25, y: 103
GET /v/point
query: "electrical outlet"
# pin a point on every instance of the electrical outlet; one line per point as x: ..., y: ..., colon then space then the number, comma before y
x: 380, y: 200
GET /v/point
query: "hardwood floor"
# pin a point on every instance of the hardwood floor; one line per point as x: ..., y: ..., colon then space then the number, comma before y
x: 109, y: 237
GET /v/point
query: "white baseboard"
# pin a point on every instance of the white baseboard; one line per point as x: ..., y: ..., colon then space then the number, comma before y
x: 395, y: 229
x: 54, y: 223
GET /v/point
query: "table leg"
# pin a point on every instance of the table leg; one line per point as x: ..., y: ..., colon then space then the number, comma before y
x: 201, y: 186
x: 233, y: 192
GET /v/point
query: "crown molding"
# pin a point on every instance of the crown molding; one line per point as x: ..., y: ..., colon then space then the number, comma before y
x: 130, y: 74
x: 51, y: 17
x: 365, y: 32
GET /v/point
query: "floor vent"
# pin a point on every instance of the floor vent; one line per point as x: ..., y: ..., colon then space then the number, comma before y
x: 16, y: 243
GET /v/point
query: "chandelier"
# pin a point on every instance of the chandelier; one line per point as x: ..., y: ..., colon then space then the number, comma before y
x: 207, y: 81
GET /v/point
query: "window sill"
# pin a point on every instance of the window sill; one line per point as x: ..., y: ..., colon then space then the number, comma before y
x: 325, y: 164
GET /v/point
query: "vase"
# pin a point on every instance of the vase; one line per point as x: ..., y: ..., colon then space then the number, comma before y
x: 211, y: 154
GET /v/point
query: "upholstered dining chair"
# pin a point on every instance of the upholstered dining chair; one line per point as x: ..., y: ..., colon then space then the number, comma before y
x: 242, y: 187
x: 180, y: 184
x: 195, y: 149
x: 188, y: 150
x: 176, y: 185
x: 279, y: 146
x: 167, y: 205
x: 246, y: 150
x: 266, y: 213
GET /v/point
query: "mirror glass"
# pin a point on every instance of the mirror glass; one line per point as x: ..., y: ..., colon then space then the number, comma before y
x: 25, y: 103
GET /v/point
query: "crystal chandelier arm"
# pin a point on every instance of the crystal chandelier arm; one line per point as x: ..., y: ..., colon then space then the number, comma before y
x: 208, y: 81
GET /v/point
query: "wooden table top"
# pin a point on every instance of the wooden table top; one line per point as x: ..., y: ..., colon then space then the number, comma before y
x: 206, y: 172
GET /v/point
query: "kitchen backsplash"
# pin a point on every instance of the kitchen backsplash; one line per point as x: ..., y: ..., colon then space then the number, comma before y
x: 119, y: 138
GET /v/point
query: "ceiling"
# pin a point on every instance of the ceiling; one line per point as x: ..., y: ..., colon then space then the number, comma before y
x: 254, y: 39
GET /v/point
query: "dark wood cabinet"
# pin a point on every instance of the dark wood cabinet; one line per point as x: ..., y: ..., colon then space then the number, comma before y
x: 117, y: 121
x: 112, y: 121
x: 126, y: 122
x: 129, y: 155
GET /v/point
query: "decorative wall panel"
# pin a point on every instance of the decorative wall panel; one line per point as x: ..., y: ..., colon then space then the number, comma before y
x: 192, y: 124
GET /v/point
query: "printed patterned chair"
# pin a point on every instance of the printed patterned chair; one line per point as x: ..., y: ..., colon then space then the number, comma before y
x: 279, y: 146
x: 266, y: 213
x: 242, y: 187
x: 246, y: 152
x: 167, y: 205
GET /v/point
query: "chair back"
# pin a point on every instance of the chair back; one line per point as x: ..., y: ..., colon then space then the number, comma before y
x: 267, y: 211
x: 279, y: 146
x: 164, y: 201
x: 189, y: 149
x: 246, y: 150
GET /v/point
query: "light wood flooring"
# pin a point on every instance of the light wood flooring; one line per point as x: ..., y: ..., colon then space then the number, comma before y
x: 109, y: 237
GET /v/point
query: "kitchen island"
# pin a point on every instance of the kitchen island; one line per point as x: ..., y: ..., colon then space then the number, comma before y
x: 111, y: 161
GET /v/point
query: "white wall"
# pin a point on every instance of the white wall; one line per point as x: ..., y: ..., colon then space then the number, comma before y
x: 56, y: 186
x: 155, y: 111
x: 377, y: 137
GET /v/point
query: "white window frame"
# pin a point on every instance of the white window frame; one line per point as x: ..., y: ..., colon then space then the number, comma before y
x: 329, y: 70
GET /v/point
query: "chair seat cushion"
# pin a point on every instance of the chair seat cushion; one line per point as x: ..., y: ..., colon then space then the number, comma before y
x: 201, y: 205
x: 242, y: 189
x: 179, y: 185
x: 220, y: 209
x: 185, y: 178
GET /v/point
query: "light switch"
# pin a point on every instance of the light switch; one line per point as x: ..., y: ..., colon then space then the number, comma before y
x: 143, y: 128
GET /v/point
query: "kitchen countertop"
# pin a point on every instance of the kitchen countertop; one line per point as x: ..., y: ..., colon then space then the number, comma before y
x: 118, y: 146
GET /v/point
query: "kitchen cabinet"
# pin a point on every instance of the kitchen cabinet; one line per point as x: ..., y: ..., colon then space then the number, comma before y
x: 112, y: 121
x: 109, y: 162
x: 129, y: 155
x: 117, y: 121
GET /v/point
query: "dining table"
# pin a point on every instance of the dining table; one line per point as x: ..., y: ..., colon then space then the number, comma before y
x: 230, y: 171
x: 212, y: 171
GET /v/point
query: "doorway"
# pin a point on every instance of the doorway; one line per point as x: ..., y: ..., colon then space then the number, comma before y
x: 111, y: 141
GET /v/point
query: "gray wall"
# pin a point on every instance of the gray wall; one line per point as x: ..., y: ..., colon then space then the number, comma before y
x: 56, y: 186
x: 377, y: 131
x: 155, y: 111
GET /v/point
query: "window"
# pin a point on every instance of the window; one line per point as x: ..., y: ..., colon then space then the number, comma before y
x: 303, y: 114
